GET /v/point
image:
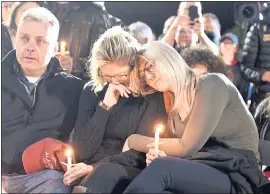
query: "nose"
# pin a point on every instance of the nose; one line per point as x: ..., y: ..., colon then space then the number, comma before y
x: 30, y: 47
x: 149, y: 76
x: 115, y: 81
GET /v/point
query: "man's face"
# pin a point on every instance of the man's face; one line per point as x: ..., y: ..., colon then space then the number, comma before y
x: 211, y: 25
x: 184, y: 37
x: 36, y: 44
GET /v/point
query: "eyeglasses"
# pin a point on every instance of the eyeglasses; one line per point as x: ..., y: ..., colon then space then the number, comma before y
x: 118, y: 77
x: 148, y: 67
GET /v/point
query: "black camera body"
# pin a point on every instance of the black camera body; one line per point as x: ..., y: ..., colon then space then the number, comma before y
x: 246, y: 13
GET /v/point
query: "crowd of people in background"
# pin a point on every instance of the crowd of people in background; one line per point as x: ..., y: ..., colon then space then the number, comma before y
x: 74, y: 75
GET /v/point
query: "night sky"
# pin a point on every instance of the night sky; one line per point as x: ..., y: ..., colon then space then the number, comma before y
x: 155, y: 13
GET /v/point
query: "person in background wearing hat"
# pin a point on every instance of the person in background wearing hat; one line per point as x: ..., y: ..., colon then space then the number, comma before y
x: 39, y: 100
x: 228, y: 50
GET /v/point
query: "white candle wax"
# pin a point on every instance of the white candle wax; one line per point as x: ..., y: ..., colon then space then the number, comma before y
x: 62, y: 48
x: 159, y: 128
x: 69, y: 159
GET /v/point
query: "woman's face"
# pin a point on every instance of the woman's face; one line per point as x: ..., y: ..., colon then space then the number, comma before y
x: 115, y: 73
x: 152, y: 76
x: 227, y: 46
x: 23, y: 8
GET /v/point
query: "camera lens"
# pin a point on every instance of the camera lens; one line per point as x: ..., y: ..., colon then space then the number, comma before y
x: 248, y: 12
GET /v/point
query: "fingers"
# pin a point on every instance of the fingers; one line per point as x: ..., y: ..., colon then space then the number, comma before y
x: 123, y: 91
x: 76, y: 172
x: 162, y: 154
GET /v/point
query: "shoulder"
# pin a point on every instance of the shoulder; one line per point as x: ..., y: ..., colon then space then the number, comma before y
x: 213, y: 80
x: 70, y: 79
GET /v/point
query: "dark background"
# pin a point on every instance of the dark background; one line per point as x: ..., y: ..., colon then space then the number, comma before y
x: 155, y: 13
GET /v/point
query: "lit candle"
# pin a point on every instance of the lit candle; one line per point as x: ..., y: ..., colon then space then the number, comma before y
x: 62, y: 47
x: 159, y: 129
x: 69, y: 158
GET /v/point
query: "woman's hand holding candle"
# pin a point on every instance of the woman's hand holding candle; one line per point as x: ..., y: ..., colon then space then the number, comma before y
x: 151, y: 155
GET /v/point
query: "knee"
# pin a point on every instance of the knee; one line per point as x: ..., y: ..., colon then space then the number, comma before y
x: 109, y: 169
x: 159, y: 163
x: 54, y: 183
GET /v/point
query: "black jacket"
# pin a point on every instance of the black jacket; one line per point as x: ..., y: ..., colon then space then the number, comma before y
x: 81, y: 24
x: 53, y: 113
x: 256, y: 57
x: 240, y: 165
x: 6, y: 46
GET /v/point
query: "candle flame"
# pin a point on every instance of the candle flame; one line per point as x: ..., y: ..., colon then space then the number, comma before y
x: 159, y: 128
x: 68, y: 152
x: 63, y: 44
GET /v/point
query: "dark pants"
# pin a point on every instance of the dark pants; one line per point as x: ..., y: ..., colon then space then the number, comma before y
x: 180, y: 176
x: 109, y: 178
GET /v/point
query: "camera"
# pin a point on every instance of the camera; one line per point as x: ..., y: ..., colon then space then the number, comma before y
x: 246, y: 13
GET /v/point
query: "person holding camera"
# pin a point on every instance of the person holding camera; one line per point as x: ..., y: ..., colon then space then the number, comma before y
x: 187, y: 28
x: 256, y: 58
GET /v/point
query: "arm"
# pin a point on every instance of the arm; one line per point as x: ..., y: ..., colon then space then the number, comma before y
x: 249, y: 56
x: 87, y: 136
x: 205, y: 115
x: 204, y: 40
x: 170, y: 35
x: 154, y: 114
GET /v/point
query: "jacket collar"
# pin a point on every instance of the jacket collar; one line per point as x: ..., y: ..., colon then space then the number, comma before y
x: 11, y: 82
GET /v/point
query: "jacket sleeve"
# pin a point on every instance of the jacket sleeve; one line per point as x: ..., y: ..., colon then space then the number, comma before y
x: 154, y: 114
x: 87, y: 136
x: 250, y: 55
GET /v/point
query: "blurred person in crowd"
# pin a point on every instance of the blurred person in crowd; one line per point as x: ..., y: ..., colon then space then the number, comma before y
x: 154, y: 36
x: 212, y: 27
x: 256, y: 57
x: 202, y: 60
x: 40, y: 100
x: 182, y: 20
x: 166, y: 26
x: 5, y: 8
x: 214, y: 129
x: 141, y: 31
x: 9, y: 27
x: 107, y: 107
x: 262, y: 118
x: 228, y: 50
x: 81, y: 25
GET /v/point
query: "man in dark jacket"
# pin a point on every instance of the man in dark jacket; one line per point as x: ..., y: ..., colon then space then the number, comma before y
x: 81, y: 25
x: 39, y: 100
x: 256, y: 57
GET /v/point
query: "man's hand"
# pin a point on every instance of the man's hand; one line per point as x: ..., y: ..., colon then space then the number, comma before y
x: 75, y: 172
x: 66, y: 62
x: 266, y: 76
x: 181, y: 21
x: 198, y: 27
x: 150, y: 156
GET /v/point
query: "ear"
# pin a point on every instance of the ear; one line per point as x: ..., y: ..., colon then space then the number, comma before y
x: 55, y: 48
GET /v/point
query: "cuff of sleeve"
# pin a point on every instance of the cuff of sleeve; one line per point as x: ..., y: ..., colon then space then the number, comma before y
x: 102, y: 113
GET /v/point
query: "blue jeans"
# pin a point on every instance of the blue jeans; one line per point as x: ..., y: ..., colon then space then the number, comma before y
x: 178, y: 175
x: 46, y: 181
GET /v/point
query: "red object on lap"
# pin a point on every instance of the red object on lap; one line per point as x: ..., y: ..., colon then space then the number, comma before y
x: 47, y: 153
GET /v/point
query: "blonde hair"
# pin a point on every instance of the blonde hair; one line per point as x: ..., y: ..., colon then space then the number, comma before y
x: 114, y: 46
x: 43, y: 15
x: 175, y: 71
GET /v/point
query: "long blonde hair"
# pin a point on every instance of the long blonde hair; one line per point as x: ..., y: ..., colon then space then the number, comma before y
x: 175, y: 71
x: 114, y: 46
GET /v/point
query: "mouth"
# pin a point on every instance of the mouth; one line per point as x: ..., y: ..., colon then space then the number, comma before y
x: 30, y: 58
